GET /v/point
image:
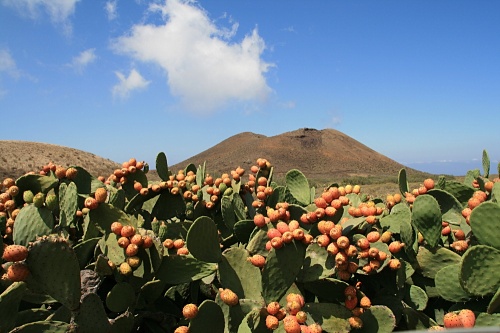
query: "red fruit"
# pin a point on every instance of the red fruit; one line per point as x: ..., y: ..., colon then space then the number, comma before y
x: 116, y: 228
x: 273, y: 232
x: 147, y: 242
x: 15, y: 253
x: 123, y: 242
x: 291, y: 325
x: 257, y: 260
x: 467, y: 317
x: 259, y: 220
x: 273, y: 308
x: 137, y: 240
x: 350, y: 291
x: 128, y: 231
x: 394, y: 264
x: 363, y: 243
x: 351, y: 303
x: 182, y: 329
x: 183, y: 251
x: 295, y: 297
x: 190, y: 311
x: 355, y: 322
x: 272, y: 322
x: 343, y: 242
x: 293, y: 307
x: 373, y: 236
x: 179, y: 243
x: 282, y: 227
x: 131, y: 250
x: 18, y: 271
x: 91, y: 203
x: 429, y: 183
x: 365, y: 302
x: 228, y: 297
x: 101, y: 194
x: 451, y: 320
x: 287, y: 237
x: 301, y: 317
x: 277, y: 242
x: 314, y: 328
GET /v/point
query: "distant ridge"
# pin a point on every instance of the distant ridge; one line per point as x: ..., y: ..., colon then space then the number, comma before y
x: 319, y: 154
x: 20, y: 157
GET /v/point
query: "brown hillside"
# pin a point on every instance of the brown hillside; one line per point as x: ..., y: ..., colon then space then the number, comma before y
x: 20, y: 157
x: 320, y: 154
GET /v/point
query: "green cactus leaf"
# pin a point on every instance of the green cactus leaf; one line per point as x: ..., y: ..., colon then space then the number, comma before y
x: 239, y: 275
x: 85, y: 251
x: 281, y: 269
x: 378, y: 318
x: 10, y: 299
x: 92, y: 316
x: 328, y: 289
x: 494, y: 305
x: 168, y: 206
x: 31, y: 315
x: 117, y: 197
x: 177, y: 269
x: 495, y: 192
x: 430, y: 261
x: 201, y: 173
x: 417, y: 320
x: 470, y: 176
x: 484, y: 222
x: 403, y: 182
x: 427, y: 218
x: 85, y: 182
x: 459, y: 190
x: 448, y: 284
x: 36, y: 183
x: 258, y: 240
x: 123, y: 323
x: 298, y: 185
x: 203, y: 240
x: 486, y: 164
x: 228, y: 211
x: 234, y: 315
x: 400, y: 213
x: 416, y: 297
x: 110, y: 248
x: 68, y: 204
x: 32, y: 222
x: 480, y: 270
x: 105, y: 214
x: 332, y: 317
x: 44, y: 326
x: 121, y: 297
x: 243, y: 229
x: 317, y: 264
x: 451, y: 209
x: 209, y: 319
x: 254, y: 322
x: 162, y: 166
x: 63, y: 283
x: 487, y: 320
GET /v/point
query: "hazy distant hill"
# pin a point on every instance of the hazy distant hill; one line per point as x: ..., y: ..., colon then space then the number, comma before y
x: 20, y: 157
x: 319, y: 154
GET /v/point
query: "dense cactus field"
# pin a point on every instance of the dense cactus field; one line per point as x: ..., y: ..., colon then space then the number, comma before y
x: 240, y: 253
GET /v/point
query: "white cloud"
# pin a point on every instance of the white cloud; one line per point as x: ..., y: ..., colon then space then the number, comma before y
x: 110, y: 8
x: 7, y: 64
x: 58, y: 10
x: 205, y: 69
x: 83, y: 59
x: 134, y: 81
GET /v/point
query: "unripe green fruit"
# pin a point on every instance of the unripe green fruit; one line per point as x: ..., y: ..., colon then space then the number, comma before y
x: 134, y: 261
x: 51, y: 201
x: 28, y: 196
x: 39, y: 199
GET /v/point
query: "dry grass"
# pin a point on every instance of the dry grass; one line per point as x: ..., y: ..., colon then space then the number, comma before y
x: 20, y: 157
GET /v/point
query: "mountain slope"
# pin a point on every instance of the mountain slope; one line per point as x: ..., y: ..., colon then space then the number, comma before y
x: 319, y: 154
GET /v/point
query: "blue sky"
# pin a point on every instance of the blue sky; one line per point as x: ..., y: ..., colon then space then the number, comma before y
x: 418, y: 81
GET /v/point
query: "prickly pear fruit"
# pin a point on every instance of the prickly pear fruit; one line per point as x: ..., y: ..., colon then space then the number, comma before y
x: 189, y: 311
x: 467, y: 317
x: 18, y: 271
x: 272, y: 322
x: 452, y: 320
x: 257, y: 260
x: 15, y: 253
x: 228, y: 297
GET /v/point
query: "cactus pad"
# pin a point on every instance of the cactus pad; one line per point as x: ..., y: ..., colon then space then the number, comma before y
x: 480, y: 270
x: 203, y: 241
x: 485, y: 221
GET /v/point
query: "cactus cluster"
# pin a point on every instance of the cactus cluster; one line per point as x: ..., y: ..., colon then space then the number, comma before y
x: 193, y: 252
